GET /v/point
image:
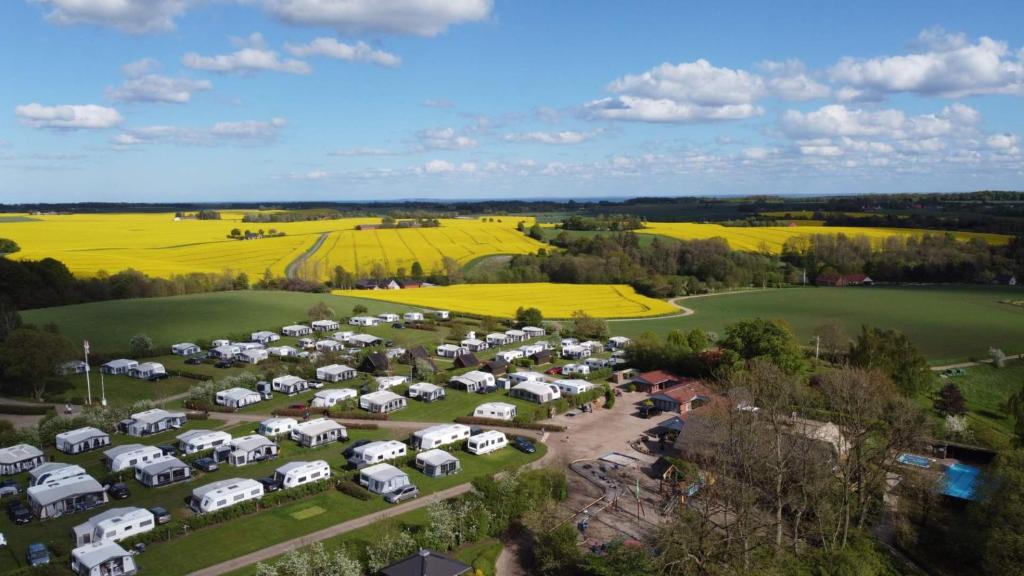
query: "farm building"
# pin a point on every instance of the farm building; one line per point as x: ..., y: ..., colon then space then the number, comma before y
x: 486, y: 442
x: 185, y: 349
x: 383, y: 478
x: 378, y: 451
x: 510, y: 356
x: 74, y: 367
x: 426, y: 562
x: 198, y: 440
x: 283, y: 351
x: 329, y: 398
x: 224, y: 493
x: 575, y: 352
x: 496, y: 411
x: 343, y: 336
x: 152, y: 421
x: 225, y: 351
x: 538, y: 392
x: 277, y: 426
x: 472, y: 381
x: 128, y: 456
x: 533, y: 331
x: 106, y: 559
x: 413, y: 316
x: 53, y: 471
x: 335, y: 373
x: 264, y: 337
x: 318, y: 432
x: 289, y: 385
x: 250, y: 449
x: 520, y: 377
x: 254, y: 356
x: 426, y: 392
x: 328, y: 346
x: 375, y: 362
x: 466, y: 360
x: 682, y: 397
x: 364, y: 321
x: 496, y: 338
x: 437, y: 462
x: 113, y: 525
x: 364, y: 340
x: 617, y: 343
x: 442, y: 314
x: 573, y: 387
x: 474, y: 345
x: 147, y: 370
x: 389, y: 317
x: 325, y: 325
x: 162, y: 471
x: 237, y: 397
x: 81, y: 440
x: 298, y: 473
x: 296, y: 330
x: 120, y: 367
x: 382, y: 401
x: 439, y: 435
x: 515, y: 335
x: 655, y: 380
x: 66, y: 495
x: 575, y: 370
x: 387, y: 382
x: 451, y: 350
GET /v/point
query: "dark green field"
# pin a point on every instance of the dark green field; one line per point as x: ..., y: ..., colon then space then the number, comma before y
x: 948, y: 324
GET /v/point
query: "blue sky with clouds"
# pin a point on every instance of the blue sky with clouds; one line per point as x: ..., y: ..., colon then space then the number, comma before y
x: 154, y: 100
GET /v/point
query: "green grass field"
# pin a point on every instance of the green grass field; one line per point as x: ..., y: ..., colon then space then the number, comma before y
x: 948, y: 324
x: 120, y: 390
x: 986, y: 389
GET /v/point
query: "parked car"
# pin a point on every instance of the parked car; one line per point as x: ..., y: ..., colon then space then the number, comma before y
x: 315, y: 384
x: 168, y: 449
x: 474, y: 430
x: 269, y: 484
x: 18, y: 512
x: 158, y: 377
x: 555, y: 370
x: 205, y: 464
x: 119, y: 491
x: 397, y: 325
x: 9, y: 488
x: 404, y: 493
x: 194, y: 361
x: 524, y: 445
x: 223, y: 364
x: 37, y: 554
x: 348, y: 452
x: 160, y: 514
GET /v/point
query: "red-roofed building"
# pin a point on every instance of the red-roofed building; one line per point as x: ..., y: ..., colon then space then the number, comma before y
x: 844, y: 280
x: 683, y: 397
x: 655, y: 380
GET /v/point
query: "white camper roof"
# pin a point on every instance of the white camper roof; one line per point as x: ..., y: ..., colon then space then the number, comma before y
x: 19, y: 453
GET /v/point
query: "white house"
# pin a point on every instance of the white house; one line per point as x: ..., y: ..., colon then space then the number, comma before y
x: 426, y: 392
x: 364, y: 340
x: 335, y: 373
x: 496, y: 411
x: 53, y: 471
x: 81, y: 440
x: 575, y: 370
x: 575, y: 352
x: 472, y: 381
x: 325, y: 325
x: 364, y: 321
x: 185, y: 349
x: 120, y: 366
x: 573, y: 387
x: 386, y: 382
x: 439, y: 435
x: 264, y: 337
x: 318, y: 432
x: 298, y: 473
x: 474, y: 345
x: 153, y: 421
x: 147, y: 369
x: 328, y: 398
x: 515, y: 335
x: 442, y: 314
x: 162, y: 471
x: 538, y: 392
x: 525, y: 376
x: 277, y: 426
x: 128, y: 456
x: 379, y: 451
x: 65, y: 496
x: 105, y: 559
x: 437, y: 462
x: 510, y: 356
x: 451, y: 350
x: 296, y: 330
x: 289, y: 385
x: 114, y: 525
x: 225, y: 351
x: 389, y: 317
x: 198, y: 440
x: 497, y: 338
x: 486, y: 442
x: 224, y: 493
x: 237, y: 397
x: 328, y: 346
x: 283, y: 351
x: 252, y: 448
x: 533, y: 331
x: 618, y: 342
x: 343, y: 336
x: 383, y: 478
x: 382, y: 401
x: 413, y: 316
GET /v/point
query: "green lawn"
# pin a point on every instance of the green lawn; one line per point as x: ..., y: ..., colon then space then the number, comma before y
x: 481, y: 555
x: 986, y: 389
x: 458, y: 403
x: 120, y: 390
x: 947, y: 323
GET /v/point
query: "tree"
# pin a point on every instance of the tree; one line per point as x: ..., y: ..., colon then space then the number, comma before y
x: 416, y: 271
x: 769, y: 339
x: 388, y: 221
x: 342, y: 279
x: 29, y: 358
x: 586, y: 326
x: 999, y: 518
x: 832, y: 340
x: 8, y: 246
x: 241, y: 281
x: 998, y: 357
x: 9, y: 317
x: 529, y: 317
x: 1015, y: 409
x: 537, y: 232
x: 452, y: 269
x: 892, y: 352
x: 320, y: 311
x: 314, y: 561
x: 951, y: 401
x: 359, y: 309
x: 140, y: 345
x: 378, y: 271
x: 619, y: 559
x: 236, y: 233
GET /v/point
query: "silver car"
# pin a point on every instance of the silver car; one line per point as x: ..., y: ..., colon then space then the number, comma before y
x: 404, y: 493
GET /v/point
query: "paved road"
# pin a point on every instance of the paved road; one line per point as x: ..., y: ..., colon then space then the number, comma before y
x: 292, y: 268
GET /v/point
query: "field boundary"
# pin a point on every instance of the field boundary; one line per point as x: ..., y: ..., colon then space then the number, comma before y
x: 292, y: 267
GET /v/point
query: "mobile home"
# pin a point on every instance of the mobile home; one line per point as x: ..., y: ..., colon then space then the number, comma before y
x: 439, y: 435
x: 533, y: 331
x: 119, y: 367
x: 383, y: 478
x: 105, y: 559
x: 329, y: 398
x: 277, y: 426
x: 185, y: 349
x: 451, y: 350
x: 486, y: 442
x: 318, y: 432
x: 198, y: 440
x: 250, y: 449
x: 539, y: 392
x: 53, y: 471
x: 290, y: 385
x: 113, y: 525
x: 573, y: 387
x: 237, y: 397
x: 426, y: 392
x: 295, y: 474
x: 379, y: 451
x: 224, y: 493
x: 437, y: 463
x: 496, y: 411
x: 127, y: 456
x: 225, y: 352
x: 497, y: 338
x: 264, y: 337
x: 364, y: 321
x: 147, y: 370
x: 472, y: 381
x: 328, y: 346
x: 386, y: 382
x: 296, y: 330
x: 335, y: 373
x: 382, y: 401
x: 413, y: 316
x: 162, y: 471
x: 253, y: 356
x: 389, y: 317
x: 65, y: 496
x: 153, y: 421
x: 82, y: 440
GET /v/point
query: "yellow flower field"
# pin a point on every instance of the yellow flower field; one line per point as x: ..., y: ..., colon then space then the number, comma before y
x: 502, y: 300
x: 770, y: 239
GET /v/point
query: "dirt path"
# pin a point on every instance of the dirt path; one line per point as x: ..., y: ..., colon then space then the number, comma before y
x: 969, y: 364
x: 292, y: 268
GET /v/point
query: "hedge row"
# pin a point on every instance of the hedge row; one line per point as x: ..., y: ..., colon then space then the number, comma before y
x: 358, y: 415
x: 190, y: 375
x: 205, y: 406
x: 25, y: 409
x: 353, y: 489
x: 474, y: 421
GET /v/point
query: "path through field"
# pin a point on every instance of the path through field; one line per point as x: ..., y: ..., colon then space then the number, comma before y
x: 293, y: 268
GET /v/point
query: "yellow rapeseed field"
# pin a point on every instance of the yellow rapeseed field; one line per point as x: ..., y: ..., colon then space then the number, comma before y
x: 770, y: 239
x: 502, y: 300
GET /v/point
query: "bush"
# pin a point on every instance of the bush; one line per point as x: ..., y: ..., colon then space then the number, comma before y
x: 189, y: 375
x: 25, y: 409
x: 525, y: 425
x: 362, y: 426
x: 353, y: 489
x: 358, y: 415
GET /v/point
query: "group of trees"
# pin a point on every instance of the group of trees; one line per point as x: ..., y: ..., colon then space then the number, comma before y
x: 603, y: 222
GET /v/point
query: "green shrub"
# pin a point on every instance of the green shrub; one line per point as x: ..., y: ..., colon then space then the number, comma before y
x: 353, y: 489
x: 25, y: 409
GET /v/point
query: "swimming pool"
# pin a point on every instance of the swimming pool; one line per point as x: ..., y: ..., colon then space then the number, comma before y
x: 914, y: 460
x: 961, y: 481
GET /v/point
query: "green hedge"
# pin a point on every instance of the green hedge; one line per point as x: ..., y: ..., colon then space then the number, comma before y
x: 25, y: 409
x: 353, y: 489
x: 358, y: 415
x: 474, y: 421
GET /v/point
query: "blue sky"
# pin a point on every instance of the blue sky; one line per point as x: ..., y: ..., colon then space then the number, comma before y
x: 275, y: 100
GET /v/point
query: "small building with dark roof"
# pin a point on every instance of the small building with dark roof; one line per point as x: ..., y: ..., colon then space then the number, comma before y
x: 426, y: 563
x: 467, y: 360
x: 375, y: 362
x: 655, y: 381
x: 496, y: 366
x: 541, y: 357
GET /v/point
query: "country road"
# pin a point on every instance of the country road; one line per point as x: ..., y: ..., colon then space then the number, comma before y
x: 292, y: 268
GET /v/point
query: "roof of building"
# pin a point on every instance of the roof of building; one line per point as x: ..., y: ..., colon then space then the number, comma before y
x: 425, y: 387
x: 161, y: 464
x: 382, y: 472
x: 92, y: 555
x: 376, y: 361
x: 318, y: 426
x: 380, y: 396
x: 155, y: 415
x: 81, y: 434
x: 336, y: 393
x: 121, y: 363
x: 288, y: 379
x: 237, y: 393
x: 497, y: 406
x: 202, y: 436
x: 378, y: 446
x: 365, y: 338
x: 19, y: 453
x: 656, y: 377
x: 686, y: 392
x: 126, y: 448
x: 426, y: 563
x: 435, y: 457
x: 475, y: 376
x: 441, y: 429
x: 52, y: 468
x: 466, y: 360
x: 224, y: 485
x: 59, y: 489
x: 278, y: 420
x: 297, y: 464
x: 335, y: 369
x: 534, y: 387
x: 111, y: 514
x: 251, y: 442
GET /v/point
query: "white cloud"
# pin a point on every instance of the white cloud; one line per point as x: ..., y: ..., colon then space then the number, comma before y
x: 68, y: 116
x: 133, y: 16
x: 790, y: 80
x: 363, y: 151
x: 564, y: 137
x: 446, y: 167
x: 252, y: 56
x: 331, y: 48
x: 668, y: 111
x: 250, y: 132
x: 838, y: 120
x: 444, y: 139
x: 156, y: 88
x: 416, y: 17
x: 139, y: 67
x: 438, y: 103
x: 944, y: 64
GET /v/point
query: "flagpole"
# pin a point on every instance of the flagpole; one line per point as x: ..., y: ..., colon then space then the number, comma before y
x: 103, y: 391
x: 88, y: 384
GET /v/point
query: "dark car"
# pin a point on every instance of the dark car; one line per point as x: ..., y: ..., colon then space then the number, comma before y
x: 205, y: 464
x: 397, y: 325
x: 119, y: 491
x: 18, y: 513
x: 474, y: 430
x: 194, y: 361
x: 168, y: 449
x: 404, y: 493
x: 158, y: 377
x: 9, y: 488
x: 524, y: 445
x: 37, y: 554
x: 223, y: 364
x: 160, y: 514
x: 270, y: 484
x: 555, y: 370
x: 350, y: 451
